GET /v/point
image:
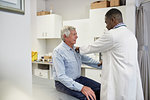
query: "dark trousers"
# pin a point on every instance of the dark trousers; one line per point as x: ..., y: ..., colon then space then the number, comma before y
x: 95, y: 86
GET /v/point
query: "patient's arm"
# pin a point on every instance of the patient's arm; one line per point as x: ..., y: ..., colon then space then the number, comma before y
x: 91, y: 62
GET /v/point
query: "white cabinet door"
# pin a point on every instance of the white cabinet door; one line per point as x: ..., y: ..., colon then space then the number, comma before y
x: 94, y: 74
x: 49, y: 26
x: 41, y: 26
x: 97, y: 19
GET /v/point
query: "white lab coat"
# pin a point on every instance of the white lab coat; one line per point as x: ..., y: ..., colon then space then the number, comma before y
x: 120, y: 72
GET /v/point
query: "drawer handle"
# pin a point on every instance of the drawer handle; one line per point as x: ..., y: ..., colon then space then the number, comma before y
x: 40, y: 74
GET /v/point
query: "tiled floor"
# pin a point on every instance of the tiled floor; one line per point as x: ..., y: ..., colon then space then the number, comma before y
x: 44, y: 89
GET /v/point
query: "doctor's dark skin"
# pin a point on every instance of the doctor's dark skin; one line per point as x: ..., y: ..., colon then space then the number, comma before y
x: 111, y: 22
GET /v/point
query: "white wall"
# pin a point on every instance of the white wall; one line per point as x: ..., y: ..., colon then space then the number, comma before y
x: 79, y: 9
x: 70, y: 9
x: 37, y: 45
x: 130, y: 13
x: 40, y: 5
x: 15, y: 54
x: 51, y: 44
x: 83, y: 30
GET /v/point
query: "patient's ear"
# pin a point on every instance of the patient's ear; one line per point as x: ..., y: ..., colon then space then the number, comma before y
x: 65, y: 37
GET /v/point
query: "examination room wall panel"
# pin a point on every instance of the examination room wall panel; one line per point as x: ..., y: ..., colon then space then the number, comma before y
x: 83, y: 31
x: 15, y: 55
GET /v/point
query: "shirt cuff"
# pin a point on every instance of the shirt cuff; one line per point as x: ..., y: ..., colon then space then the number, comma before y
x: 78, y: 86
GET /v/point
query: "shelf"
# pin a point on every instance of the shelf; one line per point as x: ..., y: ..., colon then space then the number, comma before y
x: 42, y: 38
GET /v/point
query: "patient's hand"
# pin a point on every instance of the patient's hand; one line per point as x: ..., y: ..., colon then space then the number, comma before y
x: 77, y: 49
x: 89, y: 93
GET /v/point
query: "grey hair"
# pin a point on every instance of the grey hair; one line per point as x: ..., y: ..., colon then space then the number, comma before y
x: 66, y: 31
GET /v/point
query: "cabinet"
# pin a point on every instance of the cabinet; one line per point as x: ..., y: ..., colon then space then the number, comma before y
x: 92, y: 73
x: 49, y: 26
x: 42, y: 69
x: 42, y: 73
x: 45, y: 70
x: 97, y: 19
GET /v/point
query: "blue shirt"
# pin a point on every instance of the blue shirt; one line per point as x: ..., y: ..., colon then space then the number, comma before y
x: 67, y: 65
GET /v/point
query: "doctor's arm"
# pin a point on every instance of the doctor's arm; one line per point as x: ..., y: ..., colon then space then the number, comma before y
x: 104, y: 43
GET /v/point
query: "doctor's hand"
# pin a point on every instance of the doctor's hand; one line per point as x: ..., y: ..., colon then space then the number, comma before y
x: 77, y: 49
x: 88, y: 92
x: 100, y: 63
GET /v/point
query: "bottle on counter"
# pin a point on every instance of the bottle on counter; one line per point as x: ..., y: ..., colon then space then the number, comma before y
x: 51, y: 10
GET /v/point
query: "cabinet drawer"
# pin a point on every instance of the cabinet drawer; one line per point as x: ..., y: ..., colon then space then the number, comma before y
x: 41, y: 73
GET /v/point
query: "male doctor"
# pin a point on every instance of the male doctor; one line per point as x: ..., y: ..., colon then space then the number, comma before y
x: 120, y: 74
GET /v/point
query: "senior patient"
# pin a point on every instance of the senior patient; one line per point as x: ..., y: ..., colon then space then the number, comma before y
x: 67, y: 68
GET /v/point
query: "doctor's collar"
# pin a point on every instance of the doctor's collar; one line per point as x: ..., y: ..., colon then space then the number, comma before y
x: 119, y: 25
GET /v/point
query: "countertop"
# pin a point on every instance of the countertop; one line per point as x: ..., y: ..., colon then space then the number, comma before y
x: 50, y: 63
